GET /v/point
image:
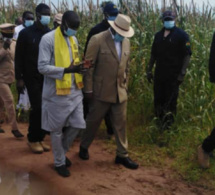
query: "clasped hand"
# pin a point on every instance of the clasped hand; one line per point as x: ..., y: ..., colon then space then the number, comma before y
x: 81, y: 68
x: 20, y: 86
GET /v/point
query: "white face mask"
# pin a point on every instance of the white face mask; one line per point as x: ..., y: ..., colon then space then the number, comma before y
x: 45, y: 20
x: 169, y: 24
x: 29, y: 23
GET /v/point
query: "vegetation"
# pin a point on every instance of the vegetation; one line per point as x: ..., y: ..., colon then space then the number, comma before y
x: 175, y: 148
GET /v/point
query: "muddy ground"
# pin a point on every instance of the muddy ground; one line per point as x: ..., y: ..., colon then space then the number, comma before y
x: 25, y: 173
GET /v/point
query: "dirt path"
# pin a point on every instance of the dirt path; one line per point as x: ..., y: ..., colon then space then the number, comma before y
x: 97, y: 176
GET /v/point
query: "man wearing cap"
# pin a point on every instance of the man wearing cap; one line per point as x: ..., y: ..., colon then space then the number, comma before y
x: 57, y: 20
x: 171, y: 52
x: 110, y: 12
x: 28, y: 20
x: 106, y: 85
x: 7, y: 77
x: 26, y: 72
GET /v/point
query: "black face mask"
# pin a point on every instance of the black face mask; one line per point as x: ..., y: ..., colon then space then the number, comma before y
x: 7, y: 35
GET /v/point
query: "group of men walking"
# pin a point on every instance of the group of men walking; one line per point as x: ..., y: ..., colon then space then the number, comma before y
x: 47, y: 64
x: 67, y: 94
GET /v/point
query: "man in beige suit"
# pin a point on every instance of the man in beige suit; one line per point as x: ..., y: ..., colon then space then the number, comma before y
x: 106, y: 85
x: 7, y: 49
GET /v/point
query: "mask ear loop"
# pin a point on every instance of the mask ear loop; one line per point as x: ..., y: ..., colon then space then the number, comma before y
x: 66, y: 25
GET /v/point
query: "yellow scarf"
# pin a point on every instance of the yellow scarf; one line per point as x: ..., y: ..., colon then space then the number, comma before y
x: 62, y: 59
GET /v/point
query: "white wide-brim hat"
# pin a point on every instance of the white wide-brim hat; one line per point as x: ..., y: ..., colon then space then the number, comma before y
x: 122, y: 25
x: 6, y: 25
x: 58, y: 18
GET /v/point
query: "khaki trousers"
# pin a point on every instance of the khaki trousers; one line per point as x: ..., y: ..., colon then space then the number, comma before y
x: 7, y: 97
x: 97, y: 111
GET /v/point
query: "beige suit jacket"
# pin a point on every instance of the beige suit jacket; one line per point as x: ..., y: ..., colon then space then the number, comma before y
x: 7, y: 74
x: 107, y: 79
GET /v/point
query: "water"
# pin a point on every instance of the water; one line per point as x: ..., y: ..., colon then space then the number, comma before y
x: 23, y: 183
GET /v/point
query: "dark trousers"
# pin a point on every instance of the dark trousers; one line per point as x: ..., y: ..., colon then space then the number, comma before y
x: 209, y: 143
x: 35, y: 132
x: 165, y: 101
x: 106, y: 118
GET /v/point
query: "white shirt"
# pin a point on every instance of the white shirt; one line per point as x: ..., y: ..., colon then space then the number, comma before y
x: 17, y: 30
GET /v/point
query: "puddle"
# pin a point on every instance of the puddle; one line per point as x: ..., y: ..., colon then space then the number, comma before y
x: 23, y: 183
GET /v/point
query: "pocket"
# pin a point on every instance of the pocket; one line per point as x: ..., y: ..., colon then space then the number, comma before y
x: 126, y: 53
x: 105, y: 52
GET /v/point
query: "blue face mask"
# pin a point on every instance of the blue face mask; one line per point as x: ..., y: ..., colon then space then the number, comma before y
x: 29, y: 23
x: 118, y: 38
x: 169, y: 24
x: 45, y: 20
x: 70, y: 32
x: 111, y: 18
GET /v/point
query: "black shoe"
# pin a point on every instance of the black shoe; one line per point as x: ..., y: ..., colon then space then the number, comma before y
x: 68, y: 162
x: 62, y: 171
x: 110, y: 131
x: 83, y: 153
x: 2, y: 131
x: 127, y: 162
x: 17, y: 133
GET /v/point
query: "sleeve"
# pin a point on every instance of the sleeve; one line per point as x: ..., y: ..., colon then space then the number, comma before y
x: 3, y: 53
x: 152, y: 57
x: 212, y: 61
x: 153, y: 49
x: 127, y: 69
x: 91, y: 54
x: 185, y: 64
x: 20, y: 55
x: 45, y: 67
x: 186, y: 46
x: 186, y: 53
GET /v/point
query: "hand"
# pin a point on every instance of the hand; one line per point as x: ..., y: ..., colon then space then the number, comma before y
x: 72, y: 68
x: 20, y: 86
x: 6, y: 44
x: 149, y: 76
x: 88, y: 64
x: 85, y: 65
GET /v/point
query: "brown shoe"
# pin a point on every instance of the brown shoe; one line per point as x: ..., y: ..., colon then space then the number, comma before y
x: 36, y: 147
x: 203, y: 158
x: 45, y: 146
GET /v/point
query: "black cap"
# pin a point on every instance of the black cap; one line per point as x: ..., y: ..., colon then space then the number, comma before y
x: 168, y: 15
x: 111, y: 9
